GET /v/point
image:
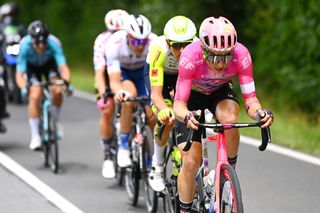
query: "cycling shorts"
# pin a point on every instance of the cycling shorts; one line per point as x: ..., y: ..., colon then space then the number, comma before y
x: 137, y: 77
x: 201, y: 101
x: 48, y: 70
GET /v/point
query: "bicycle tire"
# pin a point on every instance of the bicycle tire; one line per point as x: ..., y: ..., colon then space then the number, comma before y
x: 171, y: 196
x: 229, y: 182
x: 52, y: 145
x: 132, y: 183
x: 132, y: 173
x: 150, y: 195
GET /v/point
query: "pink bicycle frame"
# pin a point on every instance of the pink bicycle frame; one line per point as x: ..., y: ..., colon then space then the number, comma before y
x: 222, y: 159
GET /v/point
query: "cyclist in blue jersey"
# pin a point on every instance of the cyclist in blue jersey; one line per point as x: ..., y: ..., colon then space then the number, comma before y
x: 41, y: 54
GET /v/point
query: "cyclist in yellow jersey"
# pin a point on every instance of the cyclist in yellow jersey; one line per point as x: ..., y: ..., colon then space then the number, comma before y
x: 162, y: 64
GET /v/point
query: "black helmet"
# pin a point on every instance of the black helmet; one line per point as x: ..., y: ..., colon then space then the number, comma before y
x: 39, y: 32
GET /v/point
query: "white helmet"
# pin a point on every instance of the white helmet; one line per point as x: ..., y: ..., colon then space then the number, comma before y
x: 138, y: 26
x: 180, y: 29
x: 115, y: 19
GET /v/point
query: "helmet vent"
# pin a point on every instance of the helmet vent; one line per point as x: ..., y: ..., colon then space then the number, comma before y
x: 206, y: 40
x: 229, y: 41
x: 222, y: 42
x: 215, y: 42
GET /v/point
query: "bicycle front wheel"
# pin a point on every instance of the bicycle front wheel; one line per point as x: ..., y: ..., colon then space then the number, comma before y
x: 52, y: 145
x: 150, y: 195
x: 132, y: 183
x: 230, y: 192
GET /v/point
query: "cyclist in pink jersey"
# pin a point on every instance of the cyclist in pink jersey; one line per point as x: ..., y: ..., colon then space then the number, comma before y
x: 206, y: 69
x: 114, y: 21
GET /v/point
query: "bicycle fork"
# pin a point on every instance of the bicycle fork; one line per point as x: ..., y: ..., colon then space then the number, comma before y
x: 45, y: 117
x: 222, y: 160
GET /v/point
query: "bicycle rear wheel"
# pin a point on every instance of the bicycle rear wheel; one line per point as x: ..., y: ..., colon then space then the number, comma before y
x: 230, y: 192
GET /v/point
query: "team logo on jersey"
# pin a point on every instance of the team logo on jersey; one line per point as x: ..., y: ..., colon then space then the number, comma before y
x: 154, y: 72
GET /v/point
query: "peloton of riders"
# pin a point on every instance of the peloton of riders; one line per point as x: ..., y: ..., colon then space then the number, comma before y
x: 182, y: 74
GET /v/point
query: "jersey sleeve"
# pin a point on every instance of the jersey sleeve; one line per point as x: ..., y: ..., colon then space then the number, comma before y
x: 112, y: 54
x: 57, y: 50
x: 156, y: 62
x: 99, y: 59
x: 22, y: 57
x: 245, y: 74
x: 185, y: 76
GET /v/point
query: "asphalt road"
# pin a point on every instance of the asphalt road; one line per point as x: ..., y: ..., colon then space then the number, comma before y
x: 270, y: 182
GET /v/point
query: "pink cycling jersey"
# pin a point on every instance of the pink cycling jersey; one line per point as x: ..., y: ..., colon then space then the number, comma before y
x: 194, y: 73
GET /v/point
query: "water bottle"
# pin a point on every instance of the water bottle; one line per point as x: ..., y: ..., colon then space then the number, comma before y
x: 176, y: 161
x: 209, y: 186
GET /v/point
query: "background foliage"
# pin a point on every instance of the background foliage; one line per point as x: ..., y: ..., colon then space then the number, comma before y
x: 282, y: 35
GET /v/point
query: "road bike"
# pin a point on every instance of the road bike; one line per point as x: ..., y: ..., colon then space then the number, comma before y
x: 115, y: 137
x: 141, y: 146
x: 48, y: 126
x: 224, y: 196
x: 172, y: 165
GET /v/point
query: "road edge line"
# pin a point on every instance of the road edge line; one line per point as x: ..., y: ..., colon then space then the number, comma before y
x: 283, y: 151
x: 30, y: 179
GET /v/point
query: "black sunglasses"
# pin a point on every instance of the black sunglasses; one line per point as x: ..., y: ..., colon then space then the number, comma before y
x: 179, y: 45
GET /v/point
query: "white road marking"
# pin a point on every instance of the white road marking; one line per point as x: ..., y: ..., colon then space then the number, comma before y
x: 38, y: 185
x: 283, y: 151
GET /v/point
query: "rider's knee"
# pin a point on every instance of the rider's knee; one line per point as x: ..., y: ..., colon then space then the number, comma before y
x: 228, y: 118
x: 191, y: 164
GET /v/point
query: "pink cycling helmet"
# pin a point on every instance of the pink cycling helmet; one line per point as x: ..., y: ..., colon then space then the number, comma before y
x: 218, y: 34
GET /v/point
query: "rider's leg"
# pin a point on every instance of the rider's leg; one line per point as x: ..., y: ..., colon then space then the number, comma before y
x: 125, y: 125
x: 106, y: 133
x: 159, y: 145
x: 227, y: 111
x: 35, y: 94
x: 191, y: 161
x: 106, y: 127
x: 126, y: 113
x: 56, y: 100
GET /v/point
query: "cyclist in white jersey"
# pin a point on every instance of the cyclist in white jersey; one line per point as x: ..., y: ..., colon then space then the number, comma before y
x: 126, y: 54
x: 114, y: 21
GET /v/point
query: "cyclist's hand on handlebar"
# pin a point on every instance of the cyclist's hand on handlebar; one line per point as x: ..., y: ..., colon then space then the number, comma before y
x: 121, y: 95
x: 24, y: 92
x: 191, y: 121
x: 166, y: 116
x: 68, y: 88
x: 264, y: 116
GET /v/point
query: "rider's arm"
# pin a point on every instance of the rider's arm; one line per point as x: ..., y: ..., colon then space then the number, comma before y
x: 99, y: 61
x: 115, y: 82
x: 248, y: 91
x: 100, y: 81
x: 22, y: 65
x: 183, y: 87
x: 156, y: 75
x: 65, y: 72
x: 55, y: 44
